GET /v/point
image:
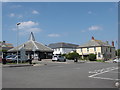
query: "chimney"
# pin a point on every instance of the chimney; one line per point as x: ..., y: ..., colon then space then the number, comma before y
x: 113, y: 43
x: 93, y: 38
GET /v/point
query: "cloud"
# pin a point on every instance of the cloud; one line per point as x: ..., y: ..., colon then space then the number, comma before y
x: 35, y: 12
x: 94, y: 28
x: 12, y: 15
x: 53, y: 35
x: 27, y: 27
x: 15, y: 15
x: 89, y: 12
x: 28, y: 24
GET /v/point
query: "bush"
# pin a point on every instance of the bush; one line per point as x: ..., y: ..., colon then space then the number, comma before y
x: 72, y: 55
x: 63, y: 55
x: 92, y: 57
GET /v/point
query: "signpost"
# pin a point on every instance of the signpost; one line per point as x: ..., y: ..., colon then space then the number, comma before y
x: 34, y: 49
x: 22, y: 54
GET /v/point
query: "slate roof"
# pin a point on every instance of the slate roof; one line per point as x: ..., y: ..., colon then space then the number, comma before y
x: 32, y: 45
x: 62, y: 45
x: 95, y: 43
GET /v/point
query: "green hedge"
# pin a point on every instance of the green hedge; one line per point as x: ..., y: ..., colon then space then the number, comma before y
x: 92, y: 57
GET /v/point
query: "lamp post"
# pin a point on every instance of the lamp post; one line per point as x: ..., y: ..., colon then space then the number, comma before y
x: 17, y: 39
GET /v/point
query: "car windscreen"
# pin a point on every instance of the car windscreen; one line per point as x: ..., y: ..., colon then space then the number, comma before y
x: 9, y: 56
x: 13, y: 56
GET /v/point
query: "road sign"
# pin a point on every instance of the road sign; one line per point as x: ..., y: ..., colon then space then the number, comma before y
x: 22, y: 54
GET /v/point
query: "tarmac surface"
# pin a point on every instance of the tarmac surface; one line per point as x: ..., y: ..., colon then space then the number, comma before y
x: 47, y: 74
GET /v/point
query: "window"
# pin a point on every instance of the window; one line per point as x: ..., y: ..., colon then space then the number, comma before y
x: 99, y: 54
x: 110, y: 50
x: 106, y: 50
x: 87, y: 49
x: 94, y: 48
x: 80, y: 49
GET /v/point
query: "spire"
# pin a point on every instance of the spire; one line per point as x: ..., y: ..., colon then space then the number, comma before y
x: 32, y: 38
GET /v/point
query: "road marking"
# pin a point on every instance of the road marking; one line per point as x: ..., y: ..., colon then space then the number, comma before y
x: 102, y: 71
x: 106, y: 78
x: 108, y: 70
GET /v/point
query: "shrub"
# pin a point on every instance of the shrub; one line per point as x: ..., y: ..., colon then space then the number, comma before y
x: 63, y: 55
x: 92, y: 57
x: 72, y: 55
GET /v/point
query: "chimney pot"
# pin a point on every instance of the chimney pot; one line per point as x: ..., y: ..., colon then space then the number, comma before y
x: 93, y: 38
x: 113, y: 43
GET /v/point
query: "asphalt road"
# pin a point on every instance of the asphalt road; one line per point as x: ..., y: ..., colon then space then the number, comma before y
x: 61, y: 75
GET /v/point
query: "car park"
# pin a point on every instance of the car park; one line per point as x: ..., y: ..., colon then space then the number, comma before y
x: 58, y: 58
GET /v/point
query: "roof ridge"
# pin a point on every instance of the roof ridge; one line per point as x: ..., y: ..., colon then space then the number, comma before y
x: 42, y: 44
x: 35, y: 44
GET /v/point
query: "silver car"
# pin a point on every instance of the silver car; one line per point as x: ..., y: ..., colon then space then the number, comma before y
x: 58, y: 58
x: 13, y: 58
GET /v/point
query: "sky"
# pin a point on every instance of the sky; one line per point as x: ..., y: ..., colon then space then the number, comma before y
x: 52, y: 22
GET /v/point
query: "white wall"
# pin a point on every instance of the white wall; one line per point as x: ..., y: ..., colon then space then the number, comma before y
x: 62, y: 50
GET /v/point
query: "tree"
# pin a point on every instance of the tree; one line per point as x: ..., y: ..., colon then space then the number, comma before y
x: 72, y: 55
x: 92, y: 57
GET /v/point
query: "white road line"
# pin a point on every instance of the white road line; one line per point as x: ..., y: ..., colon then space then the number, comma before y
x: 103, y: 72
x: 106, y: 78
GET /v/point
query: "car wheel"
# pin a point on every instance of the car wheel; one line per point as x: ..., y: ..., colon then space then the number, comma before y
x: 64, y: 60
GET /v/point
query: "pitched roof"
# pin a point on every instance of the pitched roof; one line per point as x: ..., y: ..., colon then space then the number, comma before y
x: 3, y: 44
x: 62, y: 45
x: 31, y: 45
x: 95, y: 43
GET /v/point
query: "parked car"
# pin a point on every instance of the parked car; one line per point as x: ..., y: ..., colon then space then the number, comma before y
x: 116, y: 60
x: 58, y: 58
x: 13, y: 58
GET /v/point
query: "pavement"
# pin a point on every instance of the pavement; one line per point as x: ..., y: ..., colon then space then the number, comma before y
x: 17, y: 65
x: 61, y: 75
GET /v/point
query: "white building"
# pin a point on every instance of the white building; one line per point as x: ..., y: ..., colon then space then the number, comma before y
x: 103, y: 50
x: 62, y: 48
